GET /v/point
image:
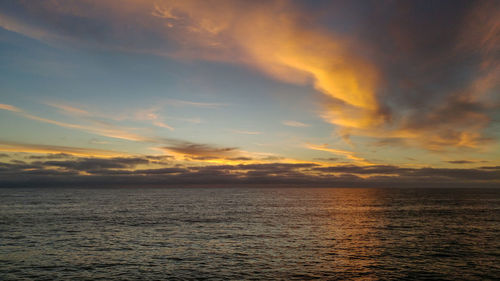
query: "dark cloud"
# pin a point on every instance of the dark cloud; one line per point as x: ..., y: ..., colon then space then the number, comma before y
x: 275, y: 166
x: 159, y: 157
x: 17, y: 167
x: 466, y: 174
x: 197, y: 151
x: 273, y: 158
x: 85, y: 164
x: 120, y: 171
x: 327, y: 159
x: 438, y: 65
x: 3, y: 155
x: 240, y: 159
x: 456, y: 174
x: 353, y: 169
x: 490, y: 167
x: 51, y: 156
x: 84, y: 22
x: 204, y: 158
x: 161, y: 171
x: 460, y: 162
x: 142, y: 172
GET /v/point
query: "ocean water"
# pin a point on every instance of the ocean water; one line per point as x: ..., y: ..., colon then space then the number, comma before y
x: 249, y: 233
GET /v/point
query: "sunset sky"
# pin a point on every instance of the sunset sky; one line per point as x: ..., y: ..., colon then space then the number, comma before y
x: 302, y: 93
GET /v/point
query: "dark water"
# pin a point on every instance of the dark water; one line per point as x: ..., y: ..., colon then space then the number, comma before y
x: 261, y: 234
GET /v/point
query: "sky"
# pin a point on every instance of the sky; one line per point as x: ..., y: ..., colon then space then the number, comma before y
x: 230, y: 93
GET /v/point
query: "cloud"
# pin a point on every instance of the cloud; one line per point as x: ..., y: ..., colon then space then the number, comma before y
x: 97, y: 127
x: 272, y: 39
x: 9, y: 107
x: 294, y: 124
x: 407, y: 73
x: 440, y: 80
x: 96, y: 164
x: 461, y: 162
x: 333, y: 159
x: 152, y: 115
x: 241, y: 159
x: 215, y: 154
x: 69, y: 109
x: 279, y: 45
x: 161, y: 171
x: 51, y: 156
x: 141, y: 115
x: 246, y: 132
x: 195, y: 120
x: 363, y: 170
x: 40, y: 148
x: 416, y: 94
x: 347, y: 154
x: 123, y: 171
x: 195, y: 104
x: 474, y: 174
x: 183, y: 150
x: 196, y: 151
x: 97, y: 141
x: 491, y: 167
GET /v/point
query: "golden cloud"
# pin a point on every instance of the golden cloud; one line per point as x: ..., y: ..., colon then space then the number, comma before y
x: 271, y: 38
x: 277, y: 39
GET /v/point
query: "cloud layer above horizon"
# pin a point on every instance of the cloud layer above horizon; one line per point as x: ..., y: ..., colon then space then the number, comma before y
x: 407, y: 85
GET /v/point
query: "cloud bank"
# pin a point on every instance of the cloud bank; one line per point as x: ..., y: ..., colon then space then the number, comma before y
x: 64, y: 170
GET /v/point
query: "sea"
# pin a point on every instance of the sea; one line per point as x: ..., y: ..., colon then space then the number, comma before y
x: 140, y: 233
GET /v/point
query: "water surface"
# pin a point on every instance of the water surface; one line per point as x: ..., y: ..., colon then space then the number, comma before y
x: 249, y: 233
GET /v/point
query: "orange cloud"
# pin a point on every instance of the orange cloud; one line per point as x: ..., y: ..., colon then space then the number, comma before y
x: 69, y: 109
x: 9, y: 107
x: 278, y: 39
x: 347, y: 154
x: 272, y: 39
x: 99, y: 128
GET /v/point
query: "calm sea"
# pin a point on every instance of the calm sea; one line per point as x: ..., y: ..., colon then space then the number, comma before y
x: 249, y: 233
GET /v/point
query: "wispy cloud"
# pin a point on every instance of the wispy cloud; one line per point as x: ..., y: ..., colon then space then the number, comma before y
x: 69, y: 109
x: 195, y: 120
x: 175, y: 102
x: 98, y: 127
x: 98, y: 141
x: 294, y: 123
x: 182, y: 150
x: 151, y: 114
x: 163, y: 125
x: 409, y: 87
x: 9, y: 146
x: 9, y: 107
x: 347, y: 154
x: 246, y: 132
x: 465, y: 161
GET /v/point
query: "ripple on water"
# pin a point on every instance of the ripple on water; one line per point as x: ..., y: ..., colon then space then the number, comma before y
x: 251, y: 233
